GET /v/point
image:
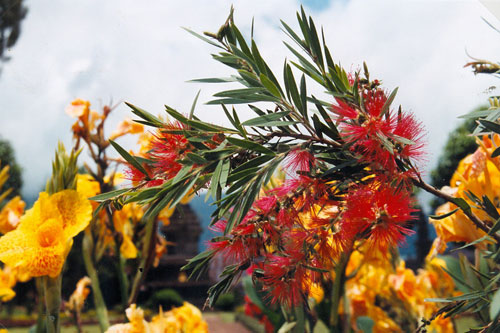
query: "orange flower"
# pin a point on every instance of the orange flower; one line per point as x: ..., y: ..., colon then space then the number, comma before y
x: 11, y: 214
x: 127, y: 126
x: 77, y: 299
x: 45, y: 234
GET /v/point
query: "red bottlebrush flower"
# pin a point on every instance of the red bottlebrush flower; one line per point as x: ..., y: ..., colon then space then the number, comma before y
x: 284, y: 218
x: 378, y: 212
x: 343, y: 110
x: 282, y: 279
x: 299, y: 160
x: 409, y: 128
x: 265, y: 204
x: 374, y: 100
x: 137, y: 177
x: 167, y: 149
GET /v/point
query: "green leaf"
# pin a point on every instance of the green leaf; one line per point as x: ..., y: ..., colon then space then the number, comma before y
x: 462, y: 204
x: 492, y: 126
x: 108, y: 195
x: 191, y: 113
x: 477, y: 241
x: 495, y: 227
x: 196, y: 158
x: 388, y: 102
x: 224, y: 173
x: 250, y: 145
x: 202, y: 38
x: 442, y: 216
x: 495, y: 153
x: 251, y: 292
x: 265, y: 119
x: 303, y: 97
x: 490, y: 208
x: 291, y: 86
x: 148, y: 117
x: 215, y: 80
x: 129, y: 158
x: 365, y: 324
x: 271, y: 87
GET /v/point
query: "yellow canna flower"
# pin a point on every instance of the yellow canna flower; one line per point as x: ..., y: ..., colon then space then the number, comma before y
x: 127, y: 126
x: 45, y: 233
x: 87, y: 185
x: 122, y: 221
x: 7, y: 282
x: 78, y: 297
x: 186, y: 318
x: 11, y: 214
x: 136, y: 324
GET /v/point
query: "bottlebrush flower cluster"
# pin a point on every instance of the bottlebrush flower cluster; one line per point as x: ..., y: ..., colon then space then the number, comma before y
x: 296, y: 232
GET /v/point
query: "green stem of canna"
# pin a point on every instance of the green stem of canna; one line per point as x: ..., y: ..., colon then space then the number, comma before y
x: 101, y: 310
x: 122, y: 279
x: 52, y: 288
x: 40, y: 322
x: 146, y: 259
x: 120, y: 265
x: 337, y: 292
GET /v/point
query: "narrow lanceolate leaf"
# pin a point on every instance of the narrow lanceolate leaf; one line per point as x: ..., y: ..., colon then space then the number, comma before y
x: 265, y: 119
x: 303, y: 98
x: 250, y: 145
x: 496, y: 152
x: 270, y: 86
x: 492, y: 126
x: 129, y: 158
x: 462, y: 204
x: 191, y: 113
x: 203, y: 38
x: 148, y: 117
x: 108, y: 195
x: 442, y: 216
x: 215, y: 80
x: 388, y: 102
x: 495, y: 227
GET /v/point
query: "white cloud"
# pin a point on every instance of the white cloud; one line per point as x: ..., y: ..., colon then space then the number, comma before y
x: 125, y: 50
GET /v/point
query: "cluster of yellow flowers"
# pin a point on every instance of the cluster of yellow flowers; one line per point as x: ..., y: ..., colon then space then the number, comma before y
x: 394, y: 296
x: 478, y: 173
x: 184, y: 319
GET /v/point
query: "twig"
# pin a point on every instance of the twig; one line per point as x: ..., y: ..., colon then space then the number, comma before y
x: 476, y: 220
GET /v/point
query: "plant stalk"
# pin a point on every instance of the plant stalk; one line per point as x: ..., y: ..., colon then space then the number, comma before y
x: 337, y: 292
x: 52, y: 288
x: 101, y: 310
x: 146, y: 259
x: 40, y: 322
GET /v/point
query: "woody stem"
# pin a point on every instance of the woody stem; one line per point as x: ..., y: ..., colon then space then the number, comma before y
x: 473, y: 217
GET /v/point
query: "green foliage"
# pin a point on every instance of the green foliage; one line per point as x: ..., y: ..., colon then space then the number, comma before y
x: 7, y: 157
x: 226, y: 302
x: 166, y: 298
x: 12, y: 12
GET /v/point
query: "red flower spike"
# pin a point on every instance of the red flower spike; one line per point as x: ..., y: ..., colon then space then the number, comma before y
x: 374, y: 100
x: 299, y: 160
x: 265, y: 204
x: 380, y: 212
x: 343, y: 110
x: 409, y: 128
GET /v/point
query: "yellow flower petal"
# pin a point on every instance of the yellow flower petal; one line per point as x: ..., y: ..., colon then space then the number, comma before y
x: 41, y: 242
x: 75, y: 209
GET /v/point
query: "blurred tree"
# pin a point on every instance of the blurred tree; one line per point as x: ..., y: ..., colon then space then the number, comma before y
x: 459, y: 144
x: 12, y: 12
x: 7, y: 158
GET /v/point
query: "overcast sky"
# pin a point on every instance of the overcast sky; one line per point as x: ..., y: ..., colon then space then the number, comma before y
x: 107, y: 51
